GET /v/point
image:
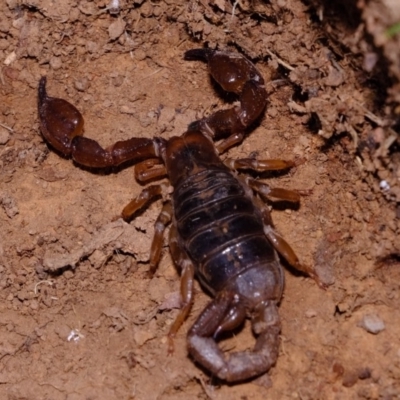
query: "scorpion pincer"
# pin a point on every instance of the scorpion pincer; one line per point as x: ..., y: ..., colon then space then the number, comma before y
x: 221, y: 230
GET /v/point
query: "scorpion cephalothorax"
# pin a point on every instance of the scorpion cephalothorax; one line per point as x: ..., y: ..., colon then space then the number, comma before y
x: 221, y: 230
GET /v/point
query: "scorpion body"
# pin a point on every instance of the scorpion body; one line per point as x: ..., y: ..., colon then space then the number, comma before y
x: 222, y: 233
x: 221, y: 230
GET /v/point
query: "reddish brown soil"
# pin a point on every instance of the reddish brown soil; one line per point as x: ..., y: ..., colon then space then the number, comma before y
x: 79, y: 317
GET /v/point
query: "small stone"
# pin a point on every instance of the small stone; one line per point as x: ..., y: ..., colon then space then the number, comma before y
x: 55, y: 63
x: 10, y: 58
x: 350, y: 378
x: 171, y: 301
x: 62, y: 331
x: 142, y: 336
x: 82, y: 84
x: 4, y: 136
x: 116, y: 29
x: 139, y: 54
x: 310, y: 313
x: 34, y: 304
x: 23, y: 295
x: 9, y: 204
x: 372, y: 324
x: 68, y: 274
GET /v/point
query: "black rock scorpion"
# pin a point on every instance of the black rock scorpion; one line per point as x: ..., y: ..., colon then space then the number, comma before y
x: 221, y: 231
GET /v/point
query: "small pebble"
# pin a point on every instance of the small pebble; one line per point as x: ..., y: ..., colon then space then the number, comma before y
x: 56, y: 63
x: 82, y: 84
x: 372, y: 323
x: 116, y: 29
x: 68, y: 274
x: 142, y: 336
x: 311, y: 313
x: 4, y: 136
x: 34, y: 305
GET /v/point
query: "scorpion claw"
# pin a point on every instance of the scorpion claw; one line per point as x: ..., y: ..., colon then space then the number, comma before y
x: 235, y: 74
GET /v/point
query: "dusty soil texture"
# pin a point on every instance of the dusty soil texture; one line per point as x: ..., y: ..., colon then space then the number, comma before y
x: 79, y: 317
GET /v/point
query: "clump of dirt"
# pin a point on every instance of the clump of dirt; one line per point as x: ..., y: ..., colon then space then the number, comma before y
x: 365, y: 33
x: 80, y: 317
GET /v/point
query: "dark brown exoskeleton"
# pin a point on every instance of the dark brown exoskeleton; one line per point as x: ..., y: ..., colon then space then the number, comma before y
x: 221, y: 231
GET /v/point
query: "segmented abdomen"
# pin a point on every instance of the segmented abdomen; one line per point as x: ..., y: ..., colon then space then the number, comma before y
x: 220, y: 228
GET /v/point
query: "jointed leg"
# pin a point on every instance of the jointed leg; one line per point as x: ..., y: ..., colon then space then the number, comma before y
x: 146, y: 196
x: 274, y: 193
x: 285, y: 250
x: 164, y: 218
x: 260, y: 165
x: 187, y: 277
x: 229, y: 142
x: 262, y: 188
x: 149, y: 169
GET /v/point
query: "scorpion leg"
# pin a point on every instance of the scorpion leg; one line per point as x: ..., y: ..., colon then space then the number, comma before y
x: 260, y: 165
x: 274, y: 193
x: 149, y: 169
x: 164, y: 218
x: 186, y: 266
x: 240, y: 365
x: 235, y: 74
x: 285, y: 250
x: 147, y: 195
x: 262, y: 188
x: 62, y: 126
x: 292, y: 196
x: 229, y: 142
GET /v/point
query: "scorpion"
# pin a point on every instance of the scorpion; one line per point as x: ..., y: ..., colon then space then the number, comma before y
x: 221, y: 229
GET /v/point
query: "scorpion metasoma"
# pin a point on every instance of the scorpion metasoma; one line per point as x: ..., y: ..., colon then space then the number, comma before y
x: 221, y: 231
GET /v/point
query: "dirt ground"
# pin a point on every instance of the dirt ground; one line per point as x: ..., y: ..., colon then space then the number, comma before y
x: 79, y: 318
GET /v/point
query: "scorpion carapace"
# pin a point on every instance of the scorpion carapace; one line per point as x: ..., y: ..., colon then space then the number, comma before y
x: 221, y: 230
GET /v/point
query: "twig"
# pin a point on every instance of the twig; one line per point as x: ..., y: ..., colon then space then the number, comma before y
x: 234, y: 8
x: 353, y: 134
x: 372, y: 117
x: 7, y: 127
x: 50, y: 282
x: 280, y: 61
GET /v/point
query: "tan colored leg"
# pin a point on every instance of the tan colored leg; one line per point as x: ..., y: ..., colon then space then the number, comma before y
x: 149, y: 194
x: 230, y: 141
x: 260, y: 165
x: 275, y: 193
x: 149, y: 169
x: 164, y: 218
x: 285, y: 250
x: 187, y: 278
x: 283, y: 247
